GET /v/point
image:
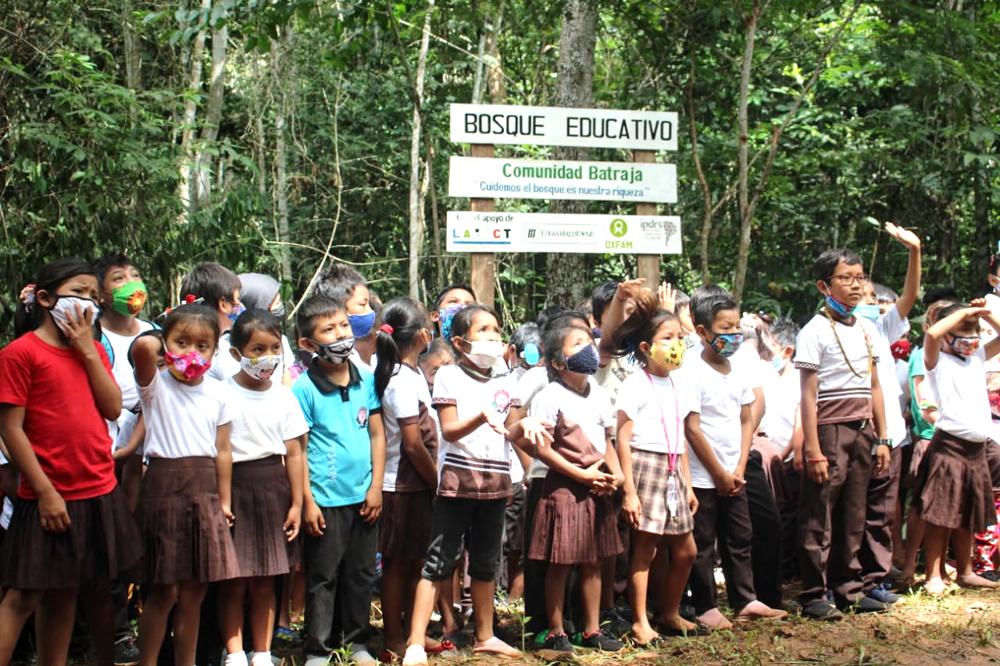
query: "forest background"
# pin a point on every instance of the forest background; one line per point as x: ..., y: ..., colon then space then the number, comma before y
x: 277, y: 136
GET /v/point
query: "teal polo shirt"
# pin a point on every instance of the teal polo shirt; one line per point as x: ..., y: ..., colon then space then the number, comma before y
x: 339, y: 453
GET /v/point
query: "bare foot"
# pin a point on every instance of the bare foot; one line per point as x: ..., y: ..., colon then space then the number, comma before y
x: 972, y: 580
x: 677, y: 623
x: 758, y: 610
x: 643, y: 633
x: 935, y: 587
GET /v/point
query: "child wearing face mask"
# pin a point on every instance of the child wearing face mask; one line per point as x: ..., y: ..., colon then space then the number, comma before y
x: 267, y: 427
x: 346, y: 285
x: 449, y: 301
x: 575, y: 520
x: 659, y: 503
x: 845, y: 441
x: 218, y: 288
x: 954, y: 493
x: 345, y: 466
x: 185, y: 501
x: 719, y: 428
x: 474, y: 477
x: 71, y: 530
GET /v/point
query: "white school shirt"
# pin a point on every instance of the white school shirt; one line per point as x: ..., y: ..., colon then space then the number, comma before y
x: 891, y: 326
x: 581, y: 421
x: 842, y: 396
x: 782, y: 397
x: 960, y: 386
x: 121, y: 369
x: 263, y: 420
x: 657, y: 407
x: 406, y: 400
x: 8, y: 506
x: 478, y: 465
x: 718, y: 398
x: 528, y: 386
x: 223, y: 365
x: 181, y: 420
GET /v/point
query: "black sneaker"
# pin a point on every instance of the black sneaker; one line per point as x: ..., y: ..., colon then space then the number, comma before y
x: 991, y: 575
x: 126, y: 652
x: 865, y: 605
x: 601, y: 641
x: 613, y: 623
x: 558, y: 643
x: 821, y: 609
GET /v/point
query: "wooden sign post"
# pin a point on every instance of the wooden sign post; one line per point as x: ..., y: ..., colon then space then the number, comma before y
x: 484, y: 267
x: 648, y: 264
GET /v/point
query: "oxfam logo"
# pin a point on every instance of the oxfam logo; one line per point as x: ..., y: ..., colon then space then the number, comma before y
x: 618, y: 227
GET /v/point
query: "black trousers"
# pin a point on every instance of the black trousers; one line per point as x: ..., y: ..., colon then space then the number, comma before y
x: 724, y: 521
x: 765, y: 550
x: 340, y: 570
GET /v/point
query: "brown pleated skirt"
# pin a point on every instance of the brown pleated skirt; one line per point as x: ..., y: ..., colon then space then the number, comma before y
x: 261, y: 499
x: 405, y: 528
x: 572, y: 526
x: 183, y: 528
x: 953, y: 487
x: 102, y: 543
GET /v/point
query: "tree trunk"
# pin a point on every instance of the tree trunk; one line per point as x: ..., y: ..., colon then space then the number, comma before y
x: 417, y: 221
x: 283, y: 67
x: 575, y: 89
x: 187, y: 184
x: 742, y: 130
x: 213, y: 105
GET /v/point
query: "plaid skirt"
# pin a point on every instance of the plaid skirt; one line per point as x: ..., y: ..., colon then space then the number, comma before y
x: 650, y: 471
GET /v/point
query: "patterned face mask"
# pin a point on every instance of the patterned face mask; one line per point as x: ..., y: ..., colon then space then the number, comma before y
x: 129, y: 298
x: 186, y: 367
x: 964, y: 345
x: 260, y: 368
x: 669, y: 353
x: 726, y: 344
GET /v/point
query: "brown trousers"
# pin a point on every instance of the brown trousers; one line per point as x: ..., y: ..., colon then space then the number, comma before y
x: 832, y: 514
x: 876, y: 547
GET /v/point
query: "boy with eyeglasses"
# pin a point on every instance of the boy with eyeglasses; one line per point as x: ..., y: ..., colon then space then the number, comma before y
x: 843, y: 421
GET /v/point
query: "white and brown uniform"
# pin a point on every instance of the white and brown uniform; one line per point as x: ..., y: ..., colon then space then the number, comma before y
x: 407, y: 499
x: 573, y: 526
x: 843, y: 357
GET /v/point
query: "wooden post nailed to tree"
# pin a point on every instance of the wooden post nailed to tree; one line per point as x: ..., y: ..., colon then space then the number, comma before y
x: 648, y: 264
x: 483, y: 264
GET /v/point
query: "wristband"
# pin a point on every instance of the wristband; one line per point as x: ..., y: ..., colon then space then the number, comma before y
x: 821, y: 459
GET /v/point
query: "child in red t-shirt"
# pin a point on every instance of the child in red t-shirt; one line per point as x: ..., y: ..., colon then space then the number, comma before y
x: 71, y: 525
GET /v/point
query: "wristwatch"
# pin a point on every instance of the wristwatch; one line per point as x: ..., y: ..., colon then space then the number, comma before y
x: 881, y: 442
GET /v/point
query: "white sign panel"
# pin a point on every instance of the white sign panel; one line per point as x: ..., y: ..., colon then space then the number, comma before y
x: 561, y: 126
x: 552, y: 232
x: 498, y: 178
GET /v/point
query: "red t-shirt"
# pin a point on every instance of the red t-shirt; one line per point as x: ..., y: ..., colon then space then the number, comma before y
x: 67, y: 432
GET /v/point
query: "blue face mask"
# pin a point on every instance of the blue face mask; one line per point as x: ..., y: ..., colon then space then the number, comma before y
x: 361, y: 325
x: 869, y: 312
x: 779, y: 363
x: 726, y: 344
x: 586, y: 361
x: 531, y: 355
x: 235, y: 313
x: 838, y: 308
x: 445, y: 315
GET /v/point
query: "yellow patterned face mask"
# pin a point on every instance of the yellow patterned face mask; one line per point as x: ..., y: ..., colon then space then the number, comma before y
x: 668, y: 352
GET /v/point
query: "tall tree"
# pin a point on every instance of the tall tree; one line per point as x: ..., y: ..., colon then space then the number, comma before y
x: 575, y: 88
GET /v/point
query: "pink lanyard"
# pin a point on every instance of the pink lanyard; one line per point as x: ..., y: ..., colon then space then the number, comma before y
x: 671, y: 455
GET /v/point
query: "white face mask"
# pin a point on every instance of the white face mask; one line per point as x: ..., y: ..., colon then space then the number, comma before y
x: 485, y: 353
x: 261, y: 367
x: 65, y: 308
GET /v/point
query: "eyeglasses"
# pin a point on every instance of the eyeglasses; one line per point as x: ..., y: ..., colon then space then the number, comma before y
x: 850, y: 279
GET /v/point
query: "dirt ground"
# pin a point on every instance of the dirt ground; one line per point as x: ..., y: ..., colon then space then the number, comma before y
x: 962, y: 627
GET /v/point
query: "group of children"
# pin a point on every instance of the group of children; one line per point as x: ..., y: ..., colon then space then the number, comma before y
x: 635, y: 442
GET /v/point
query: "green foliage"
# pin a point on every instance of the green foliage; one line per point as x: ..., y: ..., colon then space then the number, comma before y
x: 901, y: 125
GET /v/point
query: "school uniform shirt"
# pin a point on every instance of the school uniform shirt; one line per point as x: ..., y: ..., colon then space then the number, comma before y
x: 612, y: 375
x: 745, y: 359
x: 781, y: 398
x: 960, y: 386
x: 406, y: 400
x: 478, y: 465
x: 61, y: 419
x: 339, y: 452
x: 842, y: 395
x: 117, y: 347
x: 263, y: 421
x: 528, y: 386
x: 183, y: 421
x: 223, y: 365
x: 891, y: 326
x: 718, y: 399
x: 581, y: 420
x: 657, y: 407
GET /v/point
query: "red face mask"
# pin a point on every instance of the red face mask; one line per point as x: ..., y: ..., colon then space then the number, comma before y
x: 186, y: 367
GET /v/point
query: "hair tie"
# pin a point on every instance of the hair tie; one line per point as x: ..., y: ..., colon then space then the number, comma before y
x: 191, y: 298
x: 386, y: 328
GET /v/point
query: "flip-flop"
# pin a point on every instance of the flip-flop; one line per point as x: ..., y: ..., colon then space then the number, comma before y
x: 496, y: 646
x: 388, y: 657
x: 443, y: 646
